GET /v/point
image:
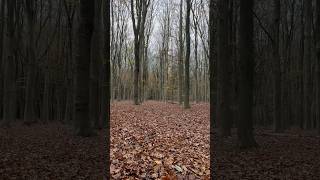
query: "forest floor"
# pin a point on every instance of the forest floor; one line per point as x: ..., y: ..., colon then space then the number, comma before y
x: 151, y: 141
x: 293, y: 154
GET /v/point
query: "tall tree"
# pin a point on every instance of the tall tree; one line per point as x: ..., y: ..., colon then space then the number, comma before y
x: 317, y: 34
x: 307, y: 87
x: 83, y: 55
x: 29, y: 111
x: 246, y: 45
x: 223, y: 72
x: 139, y: 11
x: 2, y: 30
x: 187, y: 60
x: 9, y: 82
x: 96, y: 63
x: 106, y: 87
x: 181, y: 47
x: 211, y: 78
x: 276, y: 67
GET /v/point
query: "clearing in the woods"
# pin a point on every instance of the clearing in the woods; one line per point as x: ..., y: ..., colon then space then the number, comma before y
x: 151, y: 141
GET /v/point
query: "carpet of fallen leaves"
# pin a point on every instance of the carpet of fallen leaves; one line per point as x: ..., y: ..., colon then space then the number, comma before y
x: 155, y: 140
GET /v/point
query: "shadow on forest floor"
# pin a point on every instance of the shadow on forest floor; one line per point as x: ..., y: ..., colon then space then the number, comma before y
x: 291, y: 155
x: 49, y: 151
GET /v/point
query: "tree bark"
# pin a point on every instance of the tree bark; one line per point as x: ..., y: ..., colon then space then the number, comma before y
x: 307, y: 88
x: 9, y: 86
x: 224, y: 66
x: 187, y: 61
x: 278, y: 124
x: 96, y: 62
x: 181, y: 45
x: 29, y: 111
x: 83, y: 55
x: 317, y: 78
x: 246, y: 44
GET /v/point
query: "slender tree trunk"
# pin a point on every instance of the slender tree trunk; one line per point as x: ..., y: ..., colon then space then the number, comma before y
x: 307, y: 88
x: 317, y: 78
x: 300, y: 69
x: 105, y: 106
x: 2, y: 30
x: 187, y: 62
x: 45, y: 102
x: 68, y: 116
x: 276, y: 68
x: 29, y: 111
x: 211, y: 78
x: 9, y: 86
x: 196, y: 60
x: 181, y: 51
x: 245, y: 125
x: 83, y: 54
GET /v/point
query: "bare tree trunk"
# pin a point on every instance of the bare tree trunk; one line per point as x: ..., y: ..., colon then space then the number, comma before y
x: 245, y: 125
x: 211, y: 78
x: 96, y: 62
x: 224, y: 67
x: 307, y: 89
x: 187, y: 62
x: 317, y: 78
x: 29, y: 111
x: 68, y: 116
x: 9, y: 86
x: 2, y: 30
x: 86, y: 26
x: 196, y: 56
x: 276, y: 69
x: 45, y: 102
x: 181, y: 51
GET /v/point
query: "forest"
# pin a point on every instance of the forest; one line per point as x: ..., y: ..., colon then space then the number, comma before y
x: 159, y: 89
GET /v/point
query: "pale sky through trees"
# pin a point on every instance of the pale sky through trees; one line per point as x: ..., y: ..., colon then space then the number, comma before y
x: 160, y: 7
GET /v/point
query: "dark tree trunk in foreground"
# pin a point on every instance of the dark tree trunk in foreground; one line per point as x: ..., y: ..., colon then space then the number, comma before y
x: 29, y: 111
x: 211, y: 77
x: 245, y: 125
x: 106, y: 89
x: 276, y: 68
x: 187, y: 62
x: 307, y: 87
x: 9, y: 82
x: 96, y: 63
x: 83, y: 55
x: 224, y: 65
x: 317, y: 34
